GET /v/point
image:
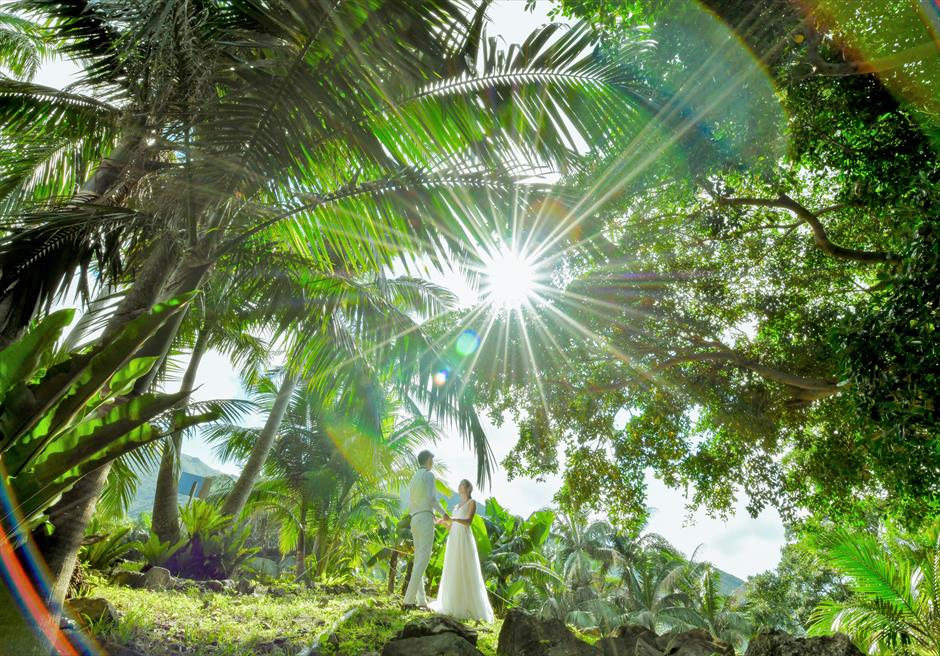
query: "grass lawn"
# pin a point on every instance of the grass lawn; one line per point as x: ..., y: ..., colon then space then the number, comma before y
x: 223, y: 624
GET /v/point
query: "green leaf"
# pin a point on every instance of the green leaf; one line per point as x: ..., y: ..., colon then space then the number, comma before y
x: 123, y: 381
x: 18, y: 361
x: 66, y: 390
x: 484, y: 547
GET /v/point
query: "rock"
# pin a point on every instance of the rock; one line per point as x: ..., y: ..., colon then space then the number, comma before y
x: 663, y: 641
x: 94, y: 609
x: 213, y: 585
x: 624, y: 641
x: 129, y: 579
x: 246, y: 587
x: 777, y: 643
x: 524, y: 634
x: 696, y: 642
x: 158, y: 578
x: 435, y: 625
x: 644, y: 648
x: 442, y: 644
x: 182, y: 585
x: 114, y: 649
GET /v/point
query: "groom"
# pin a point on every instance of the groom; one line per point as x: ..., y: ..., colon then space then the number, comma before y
x: 422, y: 500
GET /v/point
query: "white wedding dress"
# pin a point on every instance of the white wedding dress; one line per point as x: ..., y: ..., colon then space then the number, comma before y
x: 462, y: 593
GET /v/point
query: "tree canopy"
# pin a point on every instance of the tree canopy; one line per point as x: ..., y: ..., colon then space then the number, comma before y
x: 753, y: 317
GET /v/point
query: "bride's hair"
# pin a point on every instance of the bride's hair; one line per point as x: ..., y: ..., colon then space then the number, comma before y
x: 468, y: 484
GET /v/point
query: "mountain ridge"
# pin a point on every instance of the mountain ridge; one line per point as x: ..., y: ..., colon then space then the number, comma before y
x: 142, y: 501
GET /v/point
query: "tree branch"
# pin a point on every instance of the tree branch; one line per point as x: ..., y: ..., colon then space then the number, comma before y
x: 821, y: 66
x: 804, y: 389
x: 811, y: 219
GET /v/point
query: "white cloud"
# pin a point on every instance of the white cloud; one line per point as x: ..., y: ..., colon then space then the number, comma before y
x: 740, y: 545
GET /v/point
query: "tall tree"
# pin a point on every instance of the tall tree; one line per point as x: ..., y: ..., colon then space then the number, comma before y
x: 730, y: 322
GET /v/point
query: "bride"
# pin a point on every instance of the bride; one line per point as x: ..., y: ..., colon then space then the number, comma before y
x: 462, y: 593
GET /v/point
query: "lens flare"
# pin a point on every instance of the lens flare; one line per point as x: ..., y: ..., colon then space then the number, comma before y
x: 467, y: 343
x: 440, y: 378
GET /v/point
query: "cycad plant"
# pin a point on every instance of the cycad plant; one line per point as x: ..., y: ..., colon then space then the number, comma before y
x: 895, y: 606
x: 653, y: 594
x: 716, y: 613
x: 511, y: 550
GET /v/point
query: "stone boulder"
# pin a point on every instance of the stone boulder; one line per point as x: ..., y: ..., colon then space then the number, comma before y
x: 248, y: 587
x: 696, y: 642
x: 158, y: 579
x: 524, y: 634
x: 646, y: 649
x: 624, y: 641
x: 115, y: 649
x: 442, y: 644
x: 214, y: 585
x: 663, y: 641
x: 777, y: 643
x: 94, y: 609
x: 436, y: 625
x: 128, y: 579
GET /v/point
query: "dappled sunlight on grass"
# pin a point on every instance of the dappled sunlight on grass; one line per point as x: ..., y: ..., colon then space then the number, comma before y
x: 216, y: 624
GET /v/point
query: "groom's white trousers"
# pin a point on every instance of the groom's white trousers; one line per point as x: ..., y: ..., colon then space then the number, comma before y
x: 422, y: 532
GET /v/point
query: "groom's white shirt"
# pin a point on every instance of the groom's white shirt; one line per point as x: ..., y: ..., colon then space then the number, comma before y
x: 421, y: 497
x: 422, y: 492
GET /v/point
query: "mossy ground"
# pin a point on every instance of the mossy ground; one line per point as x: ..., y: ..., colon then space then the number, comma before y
x: 223, y: 624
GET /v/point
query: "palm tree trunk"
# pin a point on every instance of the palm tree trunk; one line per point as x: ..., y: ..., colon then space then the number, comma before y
x: 407, y: 577
x: 165, y: 517
x: 301, y: 568
x: 392, y: 570
x: 323, y: 530
x: 238, y: 496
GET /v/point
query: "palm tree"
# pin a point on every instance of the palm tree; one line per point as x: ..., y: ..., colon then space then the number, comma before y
x: 895, y: 608
x: 717, y: 613
x: 23, y: 46
x: 593, y: 560
x: 346, y: 133
x: 369, y: 330
x: 652, y: 591
x: 327, y: 469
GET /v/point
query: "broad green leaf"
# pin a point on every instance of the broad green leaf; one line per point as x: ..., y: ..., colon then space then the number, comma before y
x: 484, y: 547
x: 18, y: 361
x: 66, y: 392
x: 123, y: 381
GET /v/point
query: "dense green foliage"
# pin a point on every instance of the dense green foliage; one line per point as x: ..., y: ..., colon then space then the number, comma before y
x: 66, y: 414
x: 895, y: 583
x: 785, y: 598
x: 755, y: 319
x: 729, y: 210
x: 289, y: 149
